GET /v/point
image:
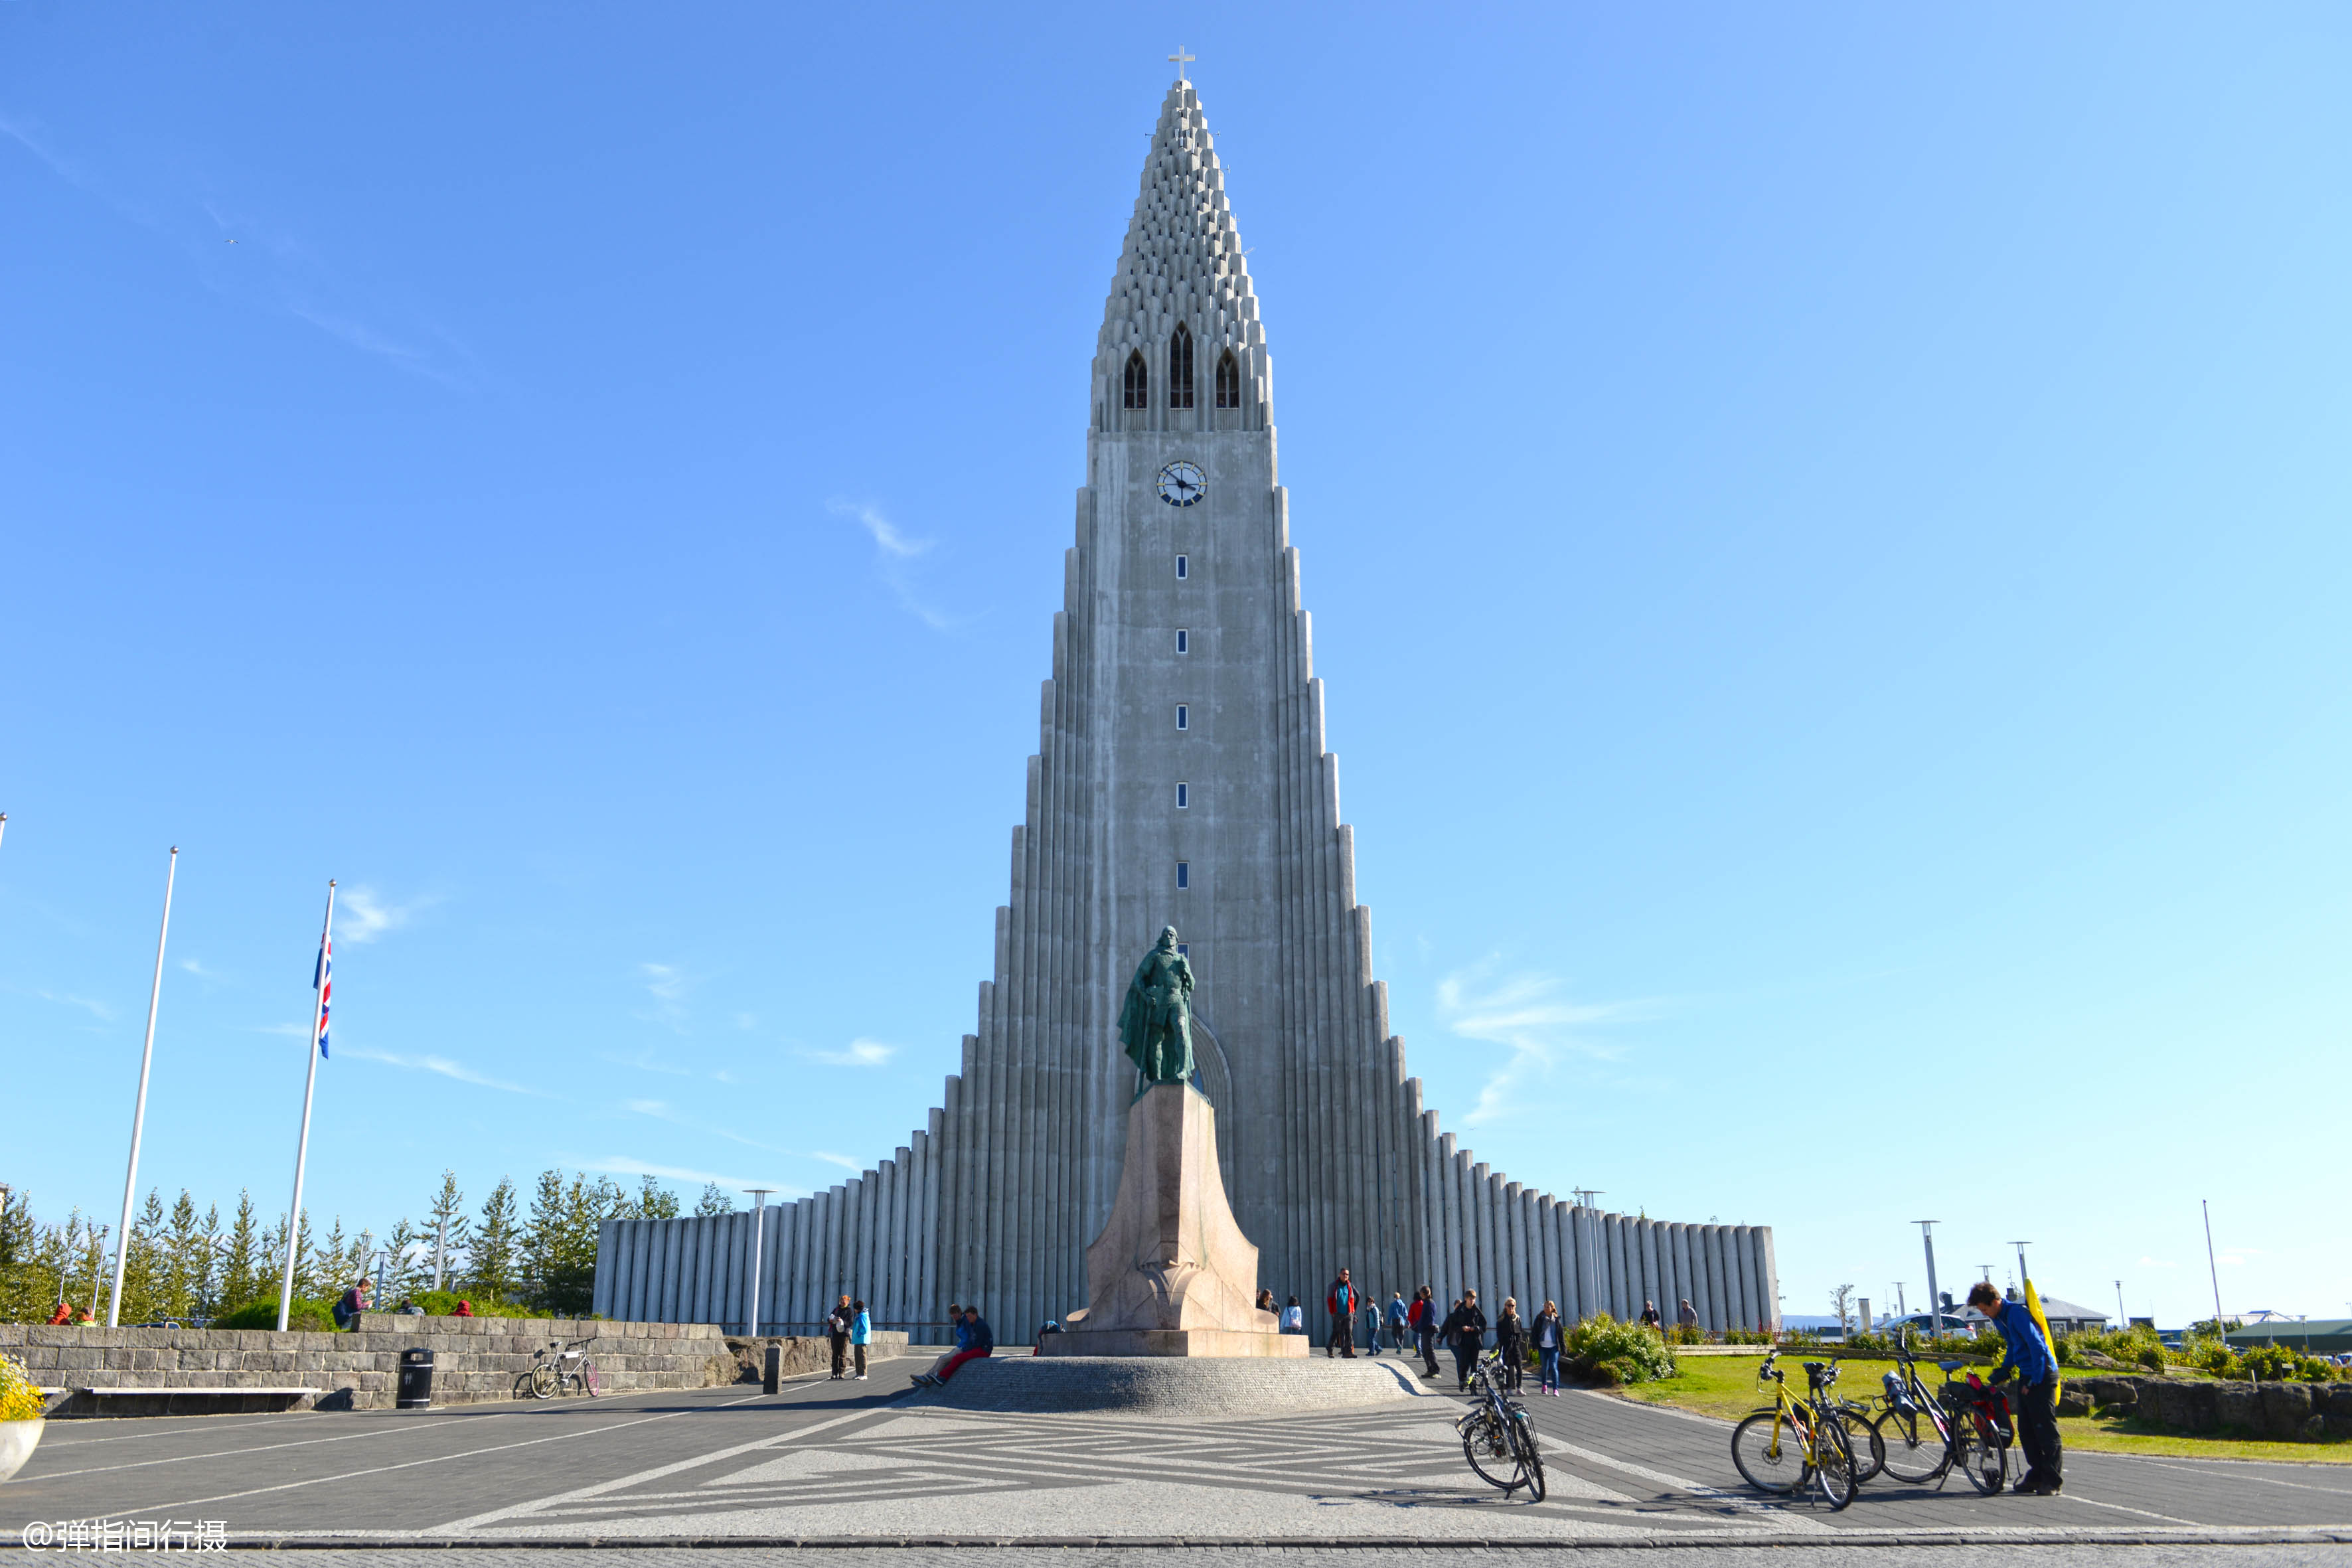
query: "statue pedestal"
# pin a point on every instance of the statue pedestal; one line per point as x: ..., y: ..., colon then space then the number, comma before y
x: 1172, y: 1274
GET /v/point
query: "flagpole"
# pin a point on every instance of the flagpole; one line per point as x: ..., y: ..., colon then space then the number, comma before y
x: 309, y: 1083
x: 139, y: 1115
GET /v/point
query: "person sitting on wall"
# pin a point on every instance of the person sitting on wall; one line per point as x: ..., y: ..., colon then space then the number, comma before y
x: 351, y: 1304
x: 63, y: 1315
x: 981, y: 1342
x: 464, y: 1309
x: 962, y: 1338
x: 408, y: 1309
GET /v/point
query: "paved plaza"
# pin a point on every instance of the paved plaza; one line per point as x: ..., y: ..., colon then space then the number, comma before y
x: 856, y: 1466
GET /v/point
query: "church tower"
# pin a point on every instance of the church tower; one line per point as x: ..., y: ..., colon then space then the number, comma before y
x: 1181, y: 778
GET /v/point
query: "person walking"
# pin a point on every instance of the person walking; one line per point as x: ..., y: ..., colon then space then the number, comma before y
x: 837, y: 1324
x: 1341, y: 1304
x: 1466, y: 1332
x: 1511, y: 1339
x: 2027, y: 1356
x: 1687, y: 1316
x: 1649, y: 1318
x: 1423, y: 1318
x: 979, y: 1341
x: 1548, y: 1338
x: 1371, y: 1324
x: 1399, y: 1323
x: 1294, y: 1318
x: 861, y: 1334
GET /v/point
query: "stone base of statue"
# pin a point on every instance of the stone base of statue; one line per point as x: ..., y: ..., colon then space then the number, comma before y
x: 1172, y: 1274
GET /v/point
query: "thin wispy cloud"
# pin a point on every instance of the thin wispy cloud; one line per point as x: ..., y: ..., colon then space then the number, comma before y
x: 361, y: 914
x: 630, y: 1165
x: 662, y: 1111
x: 895, y: 558
x: 843, y: 1160
x: 862, y: 1053
x: 441, y: 1065
x: 1529, y: 1014
x: 253, y: 259
x: 668, y: 985
x: 97, y: 1010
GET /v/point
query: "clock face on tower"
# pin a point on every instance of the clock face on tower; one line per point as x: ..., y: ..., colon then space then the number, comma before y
x: 1181, y: 484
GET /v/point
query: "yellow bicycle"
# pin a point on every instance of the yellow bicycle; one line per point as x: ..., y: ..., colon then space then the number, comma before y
x: 1797, y: 1442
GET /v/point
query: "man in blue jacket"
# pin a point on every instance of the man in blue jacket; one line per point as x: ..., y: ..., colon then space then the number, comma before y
x: 2027, y: 1356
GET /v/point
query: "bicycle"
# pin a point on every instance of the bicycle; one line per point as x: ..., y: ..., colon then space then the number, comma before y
x: 570, y: 1367
x: 1923, y: 1436
x: 1497, y: 1438
x: 1821, y: 1452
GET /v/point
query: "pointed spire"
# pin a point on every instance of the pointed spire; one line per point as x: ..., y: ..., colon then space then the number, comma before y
x: 1183, y: 262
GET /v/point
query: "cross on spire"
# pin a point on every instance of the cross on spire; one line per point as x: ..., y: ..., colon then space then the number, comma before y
x: 1181, y: 59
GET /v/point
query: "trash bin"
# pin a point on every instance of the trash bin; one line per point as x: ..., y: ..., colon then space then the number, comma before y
x: 416, y: 1390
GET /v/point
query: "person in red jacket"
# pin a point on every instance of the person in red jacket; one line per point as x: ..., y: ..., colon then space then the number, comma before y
x: 1424, y: 1318
x: 1341, y: 1303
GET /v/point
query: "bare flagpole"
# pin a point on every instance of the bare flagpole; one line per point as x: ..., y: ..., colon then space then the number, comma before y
x: 139, y: 1115
x: 311, y: 1082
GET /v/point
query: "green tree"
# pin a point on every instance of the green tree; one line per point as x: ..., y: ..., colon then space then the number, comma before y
x: 492, y: 1262
x: 242, y: 1262
x: 446, y: 1228
x: 714, y: 1202
x: 654, y: 1202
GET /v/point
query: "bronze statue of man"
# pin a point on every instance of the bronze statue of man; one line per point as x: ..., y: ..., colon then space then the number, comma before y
x: 1156, y: 1023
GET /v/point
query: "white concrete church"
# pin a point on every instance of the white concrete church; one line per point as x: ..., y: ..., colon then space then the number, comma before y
x: 1181, y: 779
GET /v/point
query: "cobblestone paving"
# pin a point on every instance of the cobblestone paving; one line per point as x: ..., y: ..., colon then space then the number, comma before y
x: 847, y: 1463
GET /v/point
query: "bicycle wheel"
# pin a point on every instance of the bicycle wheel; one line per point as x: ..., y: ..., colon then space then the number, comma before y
x: 1769, y: 1454
x: 1834, y: 1462
x: 1984, y: 1460
x: 588, y: 1377
x: 542, y: 1382
x: 1531, y: 1470
x: 1487, y: 1447
x: 1869, y: 1453
x: 1908, y: 1446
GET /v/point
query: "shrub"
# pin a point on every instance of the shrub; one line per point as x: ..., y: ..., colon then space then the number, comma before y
x: 1747, y: 1336
x: 2137, y: 1347
x: 309, y: 1317
x: 1612, y: 1353
x: 20, y: 1396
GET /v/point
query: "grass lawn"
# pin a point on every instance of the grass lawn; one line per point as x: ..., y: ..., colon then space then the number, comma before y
x: 1726, y: 1387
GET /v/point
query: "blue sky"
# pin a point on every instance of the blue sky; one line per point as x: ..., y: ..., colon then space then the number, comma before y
x: 1826, y: 530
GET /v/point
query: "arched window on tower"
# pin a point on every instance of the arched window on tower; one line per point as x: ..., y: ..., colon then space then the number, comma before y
x: 1139, y: 381
x: 1229, y: 381
x: 1180, y: 368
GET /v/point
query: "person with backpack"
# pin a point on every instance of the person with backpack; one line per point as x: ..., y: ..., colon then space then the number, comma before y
x: 1399, y: 1323
x: 1341, y: 1304
x: 1424, y: 1318
x: 2025, y: 1355
x: 1294, y: 1318
x: 1466, y: 1331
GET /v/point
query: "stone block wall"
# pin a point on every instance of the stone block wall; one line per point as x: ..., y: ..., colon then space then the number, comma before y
x: 475, y: 1359
x: 2280, y: 1412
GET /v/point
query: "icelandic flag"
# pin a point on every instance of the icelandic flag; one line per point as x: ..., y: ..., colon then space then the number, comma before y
x: 322, y: 981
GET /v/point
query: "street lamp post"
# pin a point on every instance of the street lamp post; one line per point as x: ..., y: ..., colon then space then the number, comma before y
x: 1935, y: 1301
x: 759, y: 1216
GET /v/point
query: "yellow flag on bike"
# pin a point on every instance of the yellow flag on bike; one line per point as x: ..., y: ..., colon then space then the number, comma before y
x: 2034, y: 1309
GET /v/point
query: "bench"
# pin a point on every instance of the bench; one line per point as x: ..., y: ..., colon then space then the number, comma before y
x: 109, y: 1401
